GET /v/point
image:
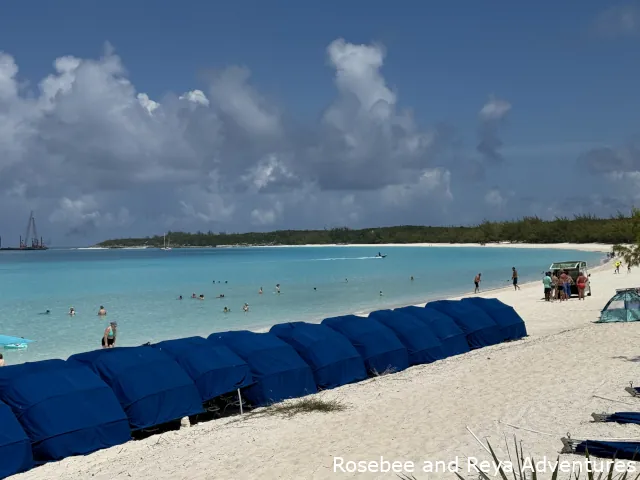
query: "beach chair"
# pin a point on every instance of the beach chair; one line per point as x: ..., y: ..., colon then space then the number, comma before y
x: 618, y: 417
x: 633, y: 391
x: 618, y: 450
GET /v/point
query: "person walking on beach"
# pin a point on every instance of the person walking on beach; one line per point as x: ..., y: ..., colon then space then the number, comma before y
x: 477, y: 281
x: 109, y: 337
x: 581, y: 282
x: 547, y: 282
x: 617, y: 264
x: 514, y: 278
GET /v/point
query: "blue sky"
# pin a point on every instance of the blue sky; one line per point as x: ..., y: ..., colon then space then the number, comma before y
x: 569, y: 73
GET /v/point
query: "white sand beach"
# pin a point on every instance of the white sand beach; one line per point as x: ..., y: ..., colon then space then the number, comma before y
x: 547, y: 384
x: 583, y: 247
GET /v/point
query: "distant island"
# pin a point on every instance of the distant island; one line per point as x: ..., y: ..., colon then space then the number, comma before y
x: 580, y: 229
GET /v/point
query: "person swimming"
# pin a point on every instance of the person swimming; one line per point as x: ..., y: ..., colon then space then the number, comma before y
x: 193, y: 295
x: 412, y: 278
x: 260, y: 291
x: 46, y: 312
x: 102, y: 312
x: 220, y: 296
x: 245, y: 307
x: 381, y: 293
x: 180, y: 297
x: 201, y: 297
x: 72, y: 311
x: 226, y: 310
x: 315, y: 288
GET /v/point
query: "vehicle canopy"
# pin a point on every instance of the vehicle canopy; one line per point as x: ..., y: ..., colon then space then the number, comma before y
x: 573, y: 268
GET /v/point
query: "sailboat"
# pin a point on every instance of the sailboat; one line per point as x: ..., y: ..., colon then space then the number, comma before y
x: 165, y: 244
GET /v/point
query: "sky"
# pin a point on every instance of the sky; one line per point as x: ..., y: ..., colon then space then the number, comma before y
x: 123, y: 119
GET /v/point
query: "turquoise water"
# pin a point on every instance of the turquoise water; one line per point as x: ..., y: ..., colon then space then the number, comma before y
x: 140, y: 288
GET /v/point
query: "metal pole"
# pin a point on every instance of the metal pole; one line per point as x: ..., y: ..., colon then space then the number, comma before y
x: 240, y: 399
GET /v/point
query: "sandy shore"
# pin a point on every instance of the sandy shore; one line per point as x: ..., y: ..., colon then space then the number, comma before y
x: 547, y: 384
x: 583, y: 247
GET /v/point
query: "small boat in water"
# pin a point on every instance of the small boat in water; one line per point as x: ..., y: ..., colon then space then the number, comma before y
x: 379, y: 255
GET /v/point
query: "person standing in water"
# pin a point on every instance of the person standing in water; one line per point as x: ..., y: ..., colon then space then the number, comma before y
x: 102, y: 312
x: 477, y: 281
x: 278, y: 288
x: 109, y: 337
x: 260, y: 291
x: 72, y: 312
x: 514, y: 278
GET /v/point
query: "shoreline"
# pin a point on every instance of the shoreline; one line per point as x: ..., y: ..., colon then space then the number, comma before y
x: 584, y: 247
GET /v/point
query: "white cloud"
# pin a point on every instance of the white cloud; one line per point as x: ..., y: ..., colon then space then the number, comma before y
x: 494, y: 109
x: 494, y: 198
x: 432, y: 182
x: 267, y: 216
x: 234, y: 96
x: 196, y: 96
x: 91, y: 151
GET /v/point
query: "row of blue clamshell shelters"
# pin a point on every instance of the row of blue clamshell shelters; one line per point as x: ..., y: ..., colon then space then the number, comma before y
x: 53, y: 409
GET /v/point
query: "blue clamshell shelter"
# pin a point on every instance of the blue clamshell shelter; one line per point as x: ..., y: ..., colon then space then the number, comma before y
x: 422, y: 344
x: 150, y: 385
x: 215, y: 369
x: 278, y: 371
x: 609, y: 449
x: 481, y: 330
x: 330, y: 355
x: 15, y: 447
x: 378, y: 346
x: 511, y: 324
x: 453, y: 339
x: 64, y: 409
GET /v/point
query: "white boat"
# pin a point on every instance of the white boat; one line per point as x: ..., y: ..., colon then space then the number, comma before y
x: 165, y: 244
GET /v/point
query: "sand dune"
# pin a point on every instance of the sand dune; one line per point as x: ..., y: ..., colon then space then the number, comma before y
x: 544, y: 383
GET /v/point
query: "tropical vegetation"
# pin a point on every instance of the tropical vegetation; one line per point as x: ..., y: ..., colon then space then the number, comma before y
x: 619, y: 229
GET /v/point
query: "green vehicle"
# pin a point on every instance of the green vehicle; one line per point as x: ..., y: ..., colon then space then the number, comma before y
x: 573, y: 268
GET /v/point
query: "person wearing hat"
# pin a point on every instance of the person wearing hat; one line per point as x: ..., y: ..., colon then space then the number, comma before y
x: 109, y: 337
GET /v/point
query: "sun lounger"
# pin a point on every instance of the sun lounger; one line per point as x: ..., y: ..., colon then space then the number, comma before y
x: 633, y: 391
x: 602, y: 448
x: 618, y: 417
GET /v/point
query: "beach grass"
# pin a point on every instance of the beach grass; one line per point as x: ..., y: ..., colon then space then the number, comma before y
x: 304, y: 405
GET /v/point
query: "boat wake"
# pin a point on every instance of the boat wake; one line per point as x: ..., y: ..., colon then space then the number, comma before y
x: 344, y: 258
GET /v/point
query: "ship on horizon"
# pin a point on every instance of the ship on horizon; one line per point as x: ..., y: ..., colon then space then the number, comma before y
x: 36, y: 243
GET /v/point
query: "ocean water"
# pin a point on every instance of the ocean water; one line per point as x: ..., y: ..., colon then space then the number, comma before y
x: 140, y: 288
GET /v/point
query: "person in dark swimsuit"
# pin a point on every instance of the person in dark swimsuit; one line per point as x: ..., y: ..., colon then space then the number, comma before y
x: 514, y: 278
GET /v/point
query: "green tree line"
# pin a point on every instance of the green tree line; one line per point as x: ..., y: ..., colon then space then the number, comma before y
x: 579, y: 229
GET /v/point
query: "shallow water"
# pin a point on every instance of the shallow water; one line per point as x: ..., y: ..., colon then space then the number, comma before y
x: 140, y: 288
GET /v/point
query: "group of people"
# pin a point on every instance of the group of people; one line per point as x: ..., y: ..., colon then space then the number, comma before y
x: 558, y: 285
